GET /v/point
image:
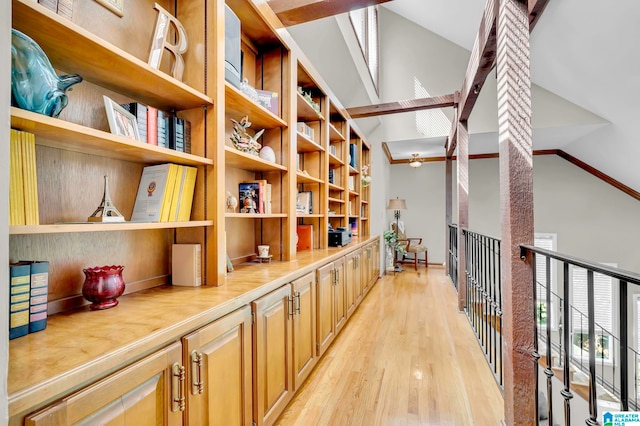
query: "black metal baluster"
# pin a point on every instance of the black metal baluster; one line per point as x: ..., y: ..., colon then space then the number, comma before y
x: 549, y: 371
x: 535, y: 354
x: 566, y: 392
x: 593, y: 404
x: 624, y: 348
x: 500, y: 308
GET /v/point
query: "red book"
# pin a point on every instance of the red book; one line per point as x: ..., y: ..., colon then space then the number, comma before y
x: 305, y: 237
x: 152, y: 125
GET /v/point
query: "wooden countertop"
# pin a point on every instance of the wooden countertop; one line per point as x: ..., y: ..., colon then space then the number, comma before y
x: 82, y: 346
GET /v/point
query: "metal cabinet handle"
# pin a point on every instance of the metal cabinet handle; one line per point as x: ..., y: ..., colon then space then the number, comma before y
x: 177, y: 387
x: 197, y: 384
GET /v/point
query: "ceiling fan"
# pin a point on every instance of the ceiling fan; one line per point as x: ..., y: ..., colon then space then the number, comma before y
x: 415, y: 160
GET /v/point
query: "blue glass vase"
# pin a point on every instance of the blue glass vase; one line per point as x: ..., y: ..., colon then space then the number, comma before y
x: 34, y: 83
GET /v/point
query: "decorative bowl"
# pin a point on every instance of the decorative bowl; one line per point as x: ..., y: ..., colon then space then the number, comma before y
x: 102, y: 286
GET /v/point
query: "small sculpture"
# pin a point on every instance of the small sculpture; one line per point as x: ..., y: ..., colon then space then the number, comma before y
x: 267, y: 153
x: 106, y: 211
x: 232, y: 202
x: 34, y: 83
x: 365, y: 179
x: 242, y: 140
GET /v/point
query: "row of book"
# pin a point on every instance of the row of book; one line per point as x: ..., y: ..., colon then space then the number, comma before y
x: 160, y: 128
x: 165, y: 193
x: 305, y: 129
x: 255, y: 196
x: 28, y: 296
x: 23, y: 182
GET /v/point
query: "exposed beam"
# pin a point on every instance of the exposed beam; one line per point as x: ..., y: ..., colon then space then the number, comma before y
x: 293, y: 12
x: 402, y: 106
x: 536, y: 7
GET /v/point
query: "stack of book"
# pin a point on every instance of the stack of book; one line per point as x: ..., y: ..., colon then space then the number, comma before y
x: 305, y: 130
x: 161, y: 128
x: 165, y: 194
x: 23, y: 184
x: 255, y: 196
x: 28, y: 295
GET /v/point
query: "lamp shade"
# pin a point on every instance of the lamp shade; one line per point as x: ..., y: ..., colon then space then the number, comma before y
x: 397, y: 204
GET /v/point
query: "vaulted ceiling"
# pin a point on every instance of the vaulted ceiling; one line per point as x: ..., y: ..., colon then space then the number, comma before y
x: 584, y: 69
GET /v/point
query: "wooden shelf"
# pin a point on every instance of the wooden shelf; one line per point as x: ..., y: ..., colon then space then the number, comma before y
x: 307, y: 145
x: 239, y: 105
x: 364, y: 201
x: 333, y: 187
x: 100, y: 227
x: 335, y: 200
x: 306, y: 111
x: 61, y: 134
x: 334, y: 134
x: 303, y: 178
x: 353, y: 194
x: 302, y: 216
x: 241, y: 160
x: 353, y: 171
x: 336, y: 215
x: 255, y: 215
x: 335, y: 161
x: 364, y: 218
x: 73, y: 49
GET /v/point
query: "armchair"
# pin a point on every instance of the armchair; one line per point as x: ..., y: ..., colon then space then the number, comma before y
x: 413, y: 247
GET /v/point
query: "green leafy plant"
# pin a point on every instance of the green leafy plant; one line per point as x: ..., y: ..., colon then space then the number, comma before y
x: 391, y: 239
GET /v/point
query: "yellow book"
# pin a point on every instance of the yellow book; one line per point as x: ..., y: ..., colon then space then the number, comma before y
x: 186, y: 198
x: 30, y: 178
x: 168, y: 193
x: 16, y: 190
x: 177, y: 190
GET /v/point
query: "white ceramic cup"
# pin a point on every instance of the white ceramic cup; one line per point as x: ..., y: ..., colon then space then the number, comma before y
x: 263, y: 251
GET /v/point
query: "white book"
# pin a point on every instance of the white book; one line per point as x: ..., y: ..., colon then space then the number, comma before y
x: 185, y: 265
x: 151, y: 193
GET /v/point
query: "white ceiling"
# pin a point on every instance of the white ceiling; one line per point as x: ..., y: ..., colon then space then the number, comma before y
x: 584, y: 63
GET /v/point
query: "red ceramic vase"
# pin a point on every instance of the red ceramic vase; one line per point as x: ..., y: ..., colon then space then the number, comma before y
x: 102, y: 286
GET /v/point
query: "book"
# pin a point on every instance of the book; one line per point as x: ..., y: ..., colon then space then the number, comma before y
x: 353, y: 155
x: 163, y: 124
x: 65, y: 8
x: 174, y: 203
x: 29, y: 178
x: 152, y: 125
x: 16, y: 186
x: 165, y: 210
x: 19, y: 287
x: 186, y: 265
x: 154, y: 189
x: 187, y: 136
x: 248, y: 197
x: 140, y: 112
x: 186, y: 196
x: 39, y: 296
x: 269, y: 100
x: 305, y: 237
x: 175, y: 133
x: 304, y: 202
x: 267, y: 199
x: 49, y: 4
x: 262, y: 188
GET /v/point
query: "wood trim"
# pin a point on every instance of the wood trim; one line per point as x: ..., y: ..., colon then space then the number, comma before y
x: 293, y: 12
x: 597, y: 173
x: 408, y: 105
x: 471, y: 156
x: 536, y: 7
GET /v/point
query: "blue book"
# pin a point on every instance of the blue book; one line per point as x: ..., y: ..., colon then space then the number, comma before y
x: 39, y: 296
x: 19, y: 287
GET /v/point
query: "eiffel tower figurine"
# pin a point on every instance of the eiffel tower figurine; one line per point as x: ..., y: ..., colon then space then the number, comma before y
x: 106, y: 212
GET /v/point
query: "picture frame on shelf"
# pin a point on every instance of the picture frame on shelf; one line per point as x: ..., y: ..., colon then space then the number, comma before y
x: 304, y: 202
x: 121, y: 121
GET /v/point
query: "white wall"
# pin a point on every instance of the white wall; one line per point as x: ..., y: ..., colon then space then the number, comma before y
x: 592, y: 219
x: 5, y: 99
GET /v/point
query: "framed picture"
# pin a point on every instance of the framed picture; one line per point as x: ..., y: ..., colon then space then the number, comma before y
x: 304, y: 202
x: 121, y: 122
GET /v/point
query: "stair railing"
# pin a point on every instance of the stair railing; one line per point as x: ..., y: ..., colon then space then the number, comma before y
x: 625, y: 352
x: 453, y: 254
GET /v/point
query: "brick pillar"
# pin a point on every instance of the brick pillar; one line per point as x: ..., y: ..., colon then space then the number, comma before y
x: 516, y: 206
x: 463, y: 209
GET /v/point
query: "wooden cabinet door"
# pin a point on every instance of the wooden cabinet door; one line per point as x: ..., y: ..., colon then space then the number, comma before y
x: 339, y: 296
x: 304, y: 328
x: 350, y: 282
x: 357, y: 277
x: 272, y: 355
x: 139, y: 395
x: 217, y: 360
x: 367, y: 268
x: 325, y: 322
x: 376, y: 261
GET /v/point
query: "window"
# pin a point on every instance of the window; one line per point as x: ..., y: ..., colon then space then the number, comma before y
x: 430, y: 123
x: 546, y: 315
x: 604, y: 302
x: 365, y: 25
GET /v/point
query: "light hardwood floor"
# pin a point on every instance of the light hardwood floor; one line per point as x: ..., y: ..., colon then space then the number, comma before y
x: 406, y: 357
